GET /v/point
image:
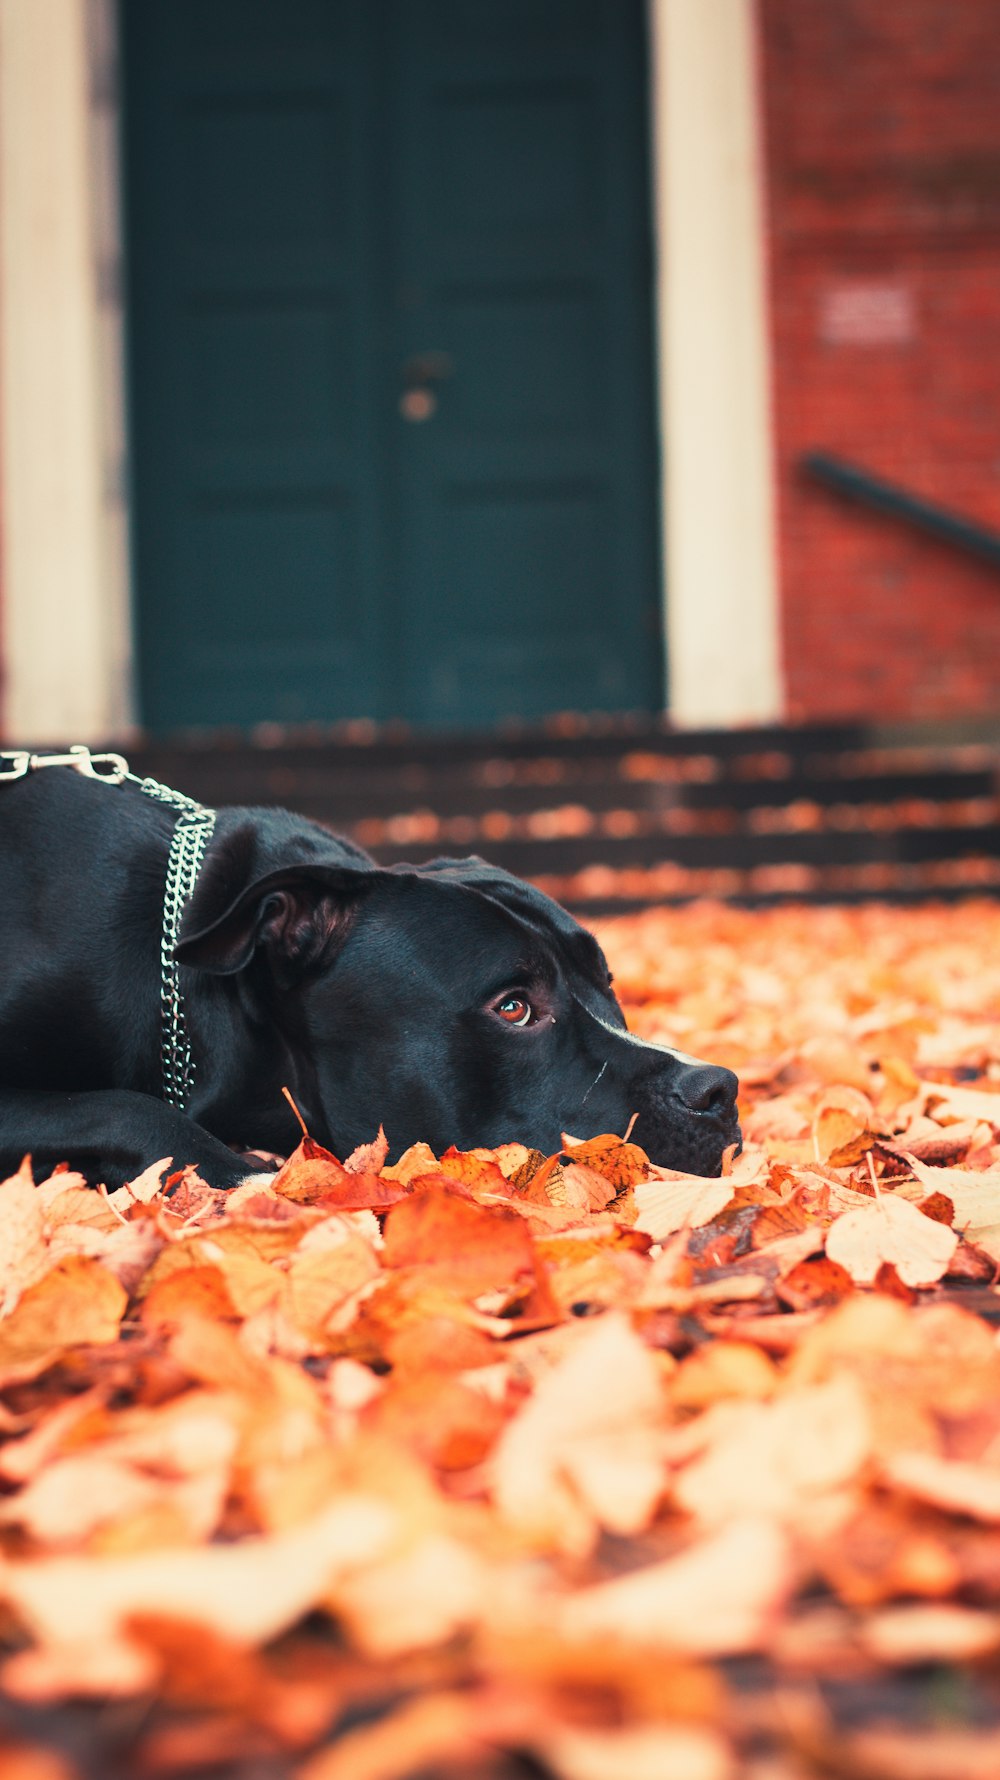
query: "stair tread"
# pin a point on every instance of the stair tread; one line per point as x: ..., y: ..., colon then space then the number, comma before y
x: 819, y: 809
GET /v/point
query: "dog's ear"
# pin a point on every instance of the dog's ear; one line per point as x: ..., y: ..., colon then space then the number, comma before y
x: 297, y: 916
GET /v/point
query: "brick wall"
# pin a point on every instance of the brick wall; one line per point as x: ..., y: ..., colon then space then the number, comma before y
x: 882, y: 122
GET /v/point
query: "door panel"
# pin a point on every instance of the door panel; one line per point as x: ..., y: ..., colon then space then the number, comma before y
x: 391, y: 371
x: 527, y: 496
x: 252, y: 172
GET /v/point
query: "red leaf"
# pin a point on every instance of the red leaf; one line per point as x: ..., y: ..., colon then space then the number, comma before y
x: 312, y: 1176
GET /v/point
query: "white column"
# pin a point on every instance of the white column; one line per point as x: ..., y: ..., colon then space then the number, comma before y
x: 721, y: 597
x: 63, y: 610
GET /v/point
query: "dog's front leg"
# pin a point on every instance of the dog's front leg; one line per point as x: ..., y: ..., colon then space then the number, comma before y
x: 110, y: 1136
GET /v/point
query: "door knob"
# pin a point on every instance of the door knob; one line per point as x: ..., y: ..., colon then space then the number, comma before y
x: 419, y: 375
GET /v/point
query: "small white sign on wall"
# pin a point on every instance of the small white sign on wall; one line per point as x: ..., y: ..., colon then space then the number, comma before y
x: 862, y: 312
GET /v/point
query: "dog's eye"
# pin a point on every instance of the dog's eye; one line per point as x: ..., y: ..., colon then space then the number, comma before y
x: 514, y: 1009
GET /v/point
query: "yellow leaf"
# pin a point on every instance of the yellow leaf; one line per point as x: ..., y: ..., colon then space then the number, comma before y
x: 78, y: 1302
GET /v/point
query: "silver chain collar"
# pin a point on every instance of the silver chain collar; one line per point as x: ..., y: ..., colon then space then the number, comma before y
x: 192, y: 832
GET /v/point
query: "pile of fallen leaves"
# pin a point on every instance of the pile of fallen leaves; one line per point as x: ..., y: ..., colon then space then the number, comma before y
x: 499, y: 1464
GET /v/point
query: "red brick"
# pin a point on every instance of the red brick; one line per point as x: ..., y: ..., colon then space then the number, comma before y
x: 882, y: 128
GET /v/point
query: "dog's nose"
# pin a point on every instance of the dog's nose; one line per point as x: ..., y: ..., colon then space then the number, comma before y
x: 708, y: 1089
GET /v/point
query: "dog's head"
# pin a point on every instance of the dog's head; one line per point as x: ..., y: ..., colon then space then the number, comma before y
x: 451, y: 1002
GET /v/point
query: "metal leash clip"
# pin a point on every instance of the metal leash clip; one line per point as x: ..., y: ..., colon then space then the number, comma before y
x: 194, y: 826
x: 16, y: 764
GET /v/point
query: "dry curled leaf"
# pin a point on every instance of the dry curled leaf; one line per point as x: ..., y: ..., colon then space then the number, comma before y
x: 583, y: 1452
x: 891, y: 1230
x: 686, y: 1202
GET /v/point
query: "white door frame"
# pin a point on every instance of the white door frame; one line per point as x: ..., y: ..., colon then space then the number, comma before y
x: 65, y: 624
x: 64, y: 620
x: 717, y: 452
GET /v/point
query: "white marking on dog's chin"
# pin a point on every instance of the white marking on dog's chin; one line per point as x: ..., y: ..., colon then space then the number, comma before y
x: 645, y: 1044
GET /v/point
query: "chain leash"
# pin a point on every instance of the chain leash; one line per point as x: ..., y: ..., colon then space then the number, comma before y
x: 193, y: 830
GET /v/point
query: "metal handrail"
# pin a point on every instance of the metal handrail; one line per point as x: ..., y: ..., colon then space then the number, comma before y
x: 859, y: 484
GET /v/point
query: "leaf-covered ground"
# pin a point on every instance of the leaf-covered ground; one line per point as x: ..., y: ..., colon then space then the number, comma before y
x: 499, y: 1465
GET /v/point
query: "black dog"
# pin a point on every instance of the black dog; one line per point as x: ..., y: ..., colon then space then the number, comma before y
x: 450, y: 1001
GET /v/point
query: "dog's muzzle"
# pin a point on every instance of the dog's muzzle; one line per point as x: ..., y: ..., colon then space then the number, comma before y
x: 691, y: 1120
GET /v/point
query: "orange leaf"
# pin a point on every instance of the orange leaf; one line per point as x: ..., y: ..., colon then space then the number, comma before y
x: 819, y: 1281
x: 720, y: 1370
x: 417, y: 1160
x: 585, y: 1187
x: 620, y: 1163
x: 841, y: 1118
x: 309, y: 1171
x: 77, y: 1303
x: 312, y: 1176
x: 190, y: 1291
x: 369, y: 1158
x: 477, y: 1171
x: 444, y: 1422
x: 439, y: 1344
x: 474, y: 1246
x: 534, y: 1181
x: 320, y: 1279
x: 22, y: 1235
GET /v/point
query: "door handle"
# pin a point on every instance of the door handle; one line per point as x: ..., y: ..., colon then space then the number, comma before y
x: 419, y: 375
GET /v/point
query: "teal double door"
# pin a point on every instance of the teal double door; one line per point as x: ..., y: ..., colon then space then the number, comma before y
x: 391, y: 378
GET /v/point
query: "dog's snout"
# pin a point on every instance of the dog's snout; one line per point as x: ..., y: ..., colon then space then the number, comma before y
x: 708, y: 1089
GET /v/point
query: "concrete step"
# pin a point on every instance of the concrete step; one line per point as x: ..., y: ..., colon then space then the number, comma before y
x: 612, y: 814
